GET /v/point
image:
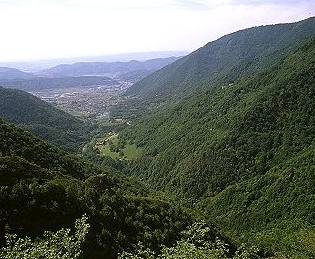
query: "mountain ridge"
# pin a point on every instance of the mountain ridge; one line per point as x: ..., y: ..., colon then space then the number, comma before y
x: 106, y: 68
x: 219, y: 143
x: 43, y: 83
x: 223, y: 60
x: 7, y: 73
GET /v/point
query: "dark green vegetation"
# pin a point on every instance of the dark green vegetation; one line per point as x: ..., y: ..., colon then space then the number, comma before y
x: 43, y: 188
x: 41, y: 83
x: 52, y: 245
x: 43, y: 119
x: 195, y: 243
x: 243, y: 152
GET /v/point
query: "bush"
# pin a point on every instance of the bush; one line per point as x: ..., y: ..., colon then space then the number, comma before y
x: 52, y: 245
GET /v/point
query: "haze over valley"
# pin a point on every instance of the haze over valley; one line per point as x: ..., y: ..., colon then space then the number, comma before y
x: 88, y: 89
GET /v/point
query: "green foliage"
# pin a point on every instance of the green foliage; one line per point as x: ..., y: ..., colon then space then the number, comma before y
x: 194, y: 244
x: 273, y: 210
x: 117, y: 221
x: 60, y: 244
x: 113, y: 147
x: 241, y: 150
x: 42, y: 187
x: 43, y: 119
x: 224, y: 146
x: 15, y: 142
x: 225, y: 135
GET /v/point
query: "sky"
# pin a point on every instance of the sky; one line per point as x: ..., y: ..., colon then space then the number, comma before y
x: 43, y: 29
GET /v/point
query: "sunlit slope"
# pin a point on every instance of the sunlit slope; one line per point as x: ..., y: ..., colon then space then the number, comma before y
x: 223, y: 142
x: 230, y: 132
x: 223, y: 60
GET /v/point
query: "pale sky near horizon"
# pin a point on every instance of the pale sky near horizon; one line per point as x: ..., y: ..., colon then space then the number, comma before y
x: 42, y: 29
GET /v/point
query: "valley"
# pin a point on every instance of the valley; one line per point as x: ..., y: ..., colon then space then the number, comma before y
x: 206, y: 156
x: 87, y: 89
x: 89, y: 102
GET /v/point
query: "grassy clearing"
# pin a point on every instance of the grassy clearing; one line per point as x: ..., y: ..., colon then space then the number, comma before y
x: 105, y: 151
x: 109, y: 146
x: 132, y: 151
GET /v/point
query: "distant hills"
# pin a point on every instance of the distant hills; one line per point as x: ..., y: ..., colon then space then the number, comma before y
x: 12, y: 73
x: 50, y: 123
x: 39, y: 65
x: 42, y: 119
x: 224, y: 60
x: 113, y: 69
x: 42, y: 83
x: 82, y: 74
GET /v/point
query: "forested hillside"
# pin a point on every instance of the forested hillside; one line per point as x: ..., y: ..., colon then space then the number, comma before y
x: 224, y: 60
x: 43, y: 188
x: 43, y: 119
x: 244, y: 151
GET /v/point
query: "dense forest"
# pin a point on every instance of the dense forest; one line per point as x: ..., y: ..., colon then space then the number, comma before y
x: 241, y: 151
x: 224, y: 164
x: 44, y: 188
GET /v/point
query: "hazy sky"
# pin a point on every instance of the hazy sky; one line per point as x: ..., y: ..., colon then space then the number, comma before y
x: 38, y: 29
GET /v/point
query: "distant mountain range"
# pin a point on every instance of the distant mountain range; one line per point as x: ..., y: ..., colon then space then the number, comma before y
x: 7, y: 73
x: 112, y: 69
x: 39, y: 65
x: 82, y: 74
x: 41, y: 83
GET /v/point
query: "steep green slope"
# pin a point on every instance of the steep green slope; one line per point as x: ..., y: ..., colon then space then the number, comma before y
x: 17, y: 142
x: 42, y: 119
x: 223, y: 60
x: 43, y: 188
x: 273, y: 210
x: 232, y: 133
